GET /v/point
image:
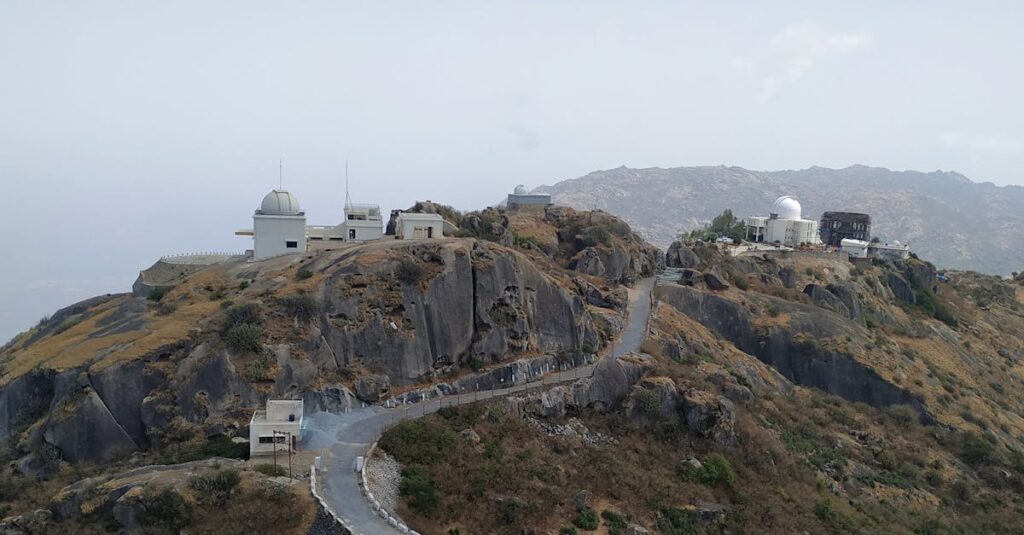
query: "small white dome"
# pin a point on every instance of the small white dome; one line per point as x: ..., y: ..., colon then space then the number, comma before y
x: 280, y: 201
x: 786, y: 207
x: 521, y: 190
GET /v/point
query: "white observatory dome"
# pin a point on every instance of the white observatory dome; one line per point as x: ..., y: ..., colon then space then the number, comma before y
x: 786, y: 207
x: 520, y: 190
x: 280, y: 202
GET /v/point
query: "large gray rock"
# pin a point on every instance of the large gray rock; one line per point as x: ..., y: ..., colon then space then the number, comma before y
x: 122, y: 387
x: 479, y: 301
x: 652, y: 399
x: 372, y: 388
x: 611, y: 382
x: 84, y: 430
x: 333, y: 397
x: 826, y: 299
x: 715, y: 280
x: 25, y: 400
x: 213, y: 388
x: 681, y: 256
x: 901, y: 288
x: 708, y: 415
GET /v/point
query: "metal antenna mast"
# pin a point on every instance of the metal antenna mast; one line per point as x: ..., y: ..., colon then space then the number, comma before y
x: 280, y: 174
x: 348, y: 198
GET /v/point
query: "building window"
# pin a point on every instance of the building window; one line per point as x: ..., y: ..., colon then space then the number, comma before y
x: 351, y: 233
x: 291, y: 244
x: 272, y: 439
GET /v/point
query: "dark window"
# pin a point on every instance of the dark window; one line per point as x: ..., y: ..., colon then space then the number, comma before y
x: 291, y: 244
x: 351, y: 233
x: 266, y: 440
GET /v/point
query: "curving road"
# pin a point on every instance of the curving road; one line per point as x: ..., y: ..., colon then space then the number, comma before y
x: 349, y: 435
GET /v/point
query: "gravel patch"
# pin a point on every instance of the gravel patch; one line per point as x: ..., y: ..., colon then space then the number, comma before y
x: 383, y: 477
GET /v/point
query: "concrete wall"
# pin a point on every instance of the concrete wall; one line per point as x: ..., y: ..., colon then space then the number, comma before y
x: 272, y: 232
x: 515, y: 200
x: 266, y: 429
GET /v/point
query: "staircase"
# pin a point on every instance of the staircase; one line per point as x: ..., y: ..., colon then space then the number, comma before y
x: 669, y: 276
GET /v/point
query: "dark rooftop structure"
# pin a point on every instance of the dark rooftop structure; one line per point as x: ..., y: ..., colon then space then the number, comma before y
x: 838, y: 226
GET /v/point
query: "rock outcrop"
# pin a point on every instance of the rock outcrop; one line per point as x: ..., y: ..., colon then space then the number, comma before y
x: 795, y: 350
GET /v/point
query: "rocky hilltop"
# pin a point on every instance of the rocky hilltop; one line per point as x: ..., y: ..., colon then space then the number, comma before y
x: 954, y: 222
x: 775, y: 393
x: 118, y: 374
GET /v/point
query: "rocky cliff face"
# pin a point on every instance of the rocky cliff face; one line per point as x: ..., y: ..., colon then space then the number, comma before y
x: 956, y: 223
x: 120, y: 374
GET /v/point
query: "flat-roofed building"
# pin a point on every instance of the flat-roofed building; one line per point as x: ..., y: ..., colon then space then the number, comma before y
x: 270, y: 429
x: 415, y: 226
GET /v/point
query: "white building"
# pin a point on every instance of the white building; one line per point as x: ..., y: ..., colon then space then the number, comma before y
x: 854, y: 248
x: 893, y: 251
x: 784, y: 225
x: 521, y: 198
x: 362, y: 222
x: 410, y: 226
x: 279, y: 226
x: 283, y: 416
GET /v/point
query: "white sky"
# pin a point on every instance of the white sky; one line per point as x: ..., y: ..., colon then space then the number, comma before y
x: 134, y: 129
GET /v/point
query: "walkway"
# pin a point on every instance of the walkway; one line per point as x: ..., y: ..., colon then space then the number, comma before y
x: 349, y: 435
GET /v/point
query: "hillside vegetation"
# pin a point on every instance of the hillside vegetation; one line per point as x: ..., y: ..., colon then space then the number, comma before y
x: 782, y: 393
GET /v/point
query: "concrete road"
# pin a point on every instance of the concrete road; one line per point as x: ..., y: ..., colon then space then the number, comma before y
x: 349, y: 435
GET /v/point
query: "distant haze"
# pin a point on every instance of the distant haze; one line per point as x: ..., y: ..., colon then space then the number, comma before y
x: 131, y: 130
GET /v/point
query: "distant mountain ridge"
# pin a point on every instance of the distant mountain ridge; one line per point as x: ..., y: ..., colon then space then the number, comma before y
x: 944, y: 216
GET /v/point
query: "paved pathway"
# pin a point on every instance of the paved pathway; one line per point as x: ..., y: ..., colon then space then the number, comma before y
x: 349, y: 435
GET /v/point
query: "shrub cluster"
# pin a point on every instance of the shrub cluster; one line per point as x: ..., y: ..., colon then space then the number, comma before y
x: 243, y: 328
x: 409, y: 271
x: 301, y: 307
x: 216, y: 486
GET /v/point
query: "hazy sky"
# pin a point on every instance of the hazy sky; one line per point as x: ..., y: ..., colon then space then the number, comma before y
x: 134, y: 129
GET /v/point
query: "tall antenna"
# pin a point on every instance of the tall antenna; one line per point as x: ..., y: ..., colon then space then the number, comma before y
x: 348, y: 198
x: 280, y: 174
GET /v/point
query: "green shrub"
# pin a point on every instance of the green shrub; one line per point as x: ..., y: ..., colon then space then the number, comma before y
x: 418, y: 442
x: 409, y: 271
x: 156, y: 294
x: 272, y: 470
x: 975, y: 450
x: 674, y: 521
x: 301, y: 307
x: 303, y: 273
x: 586, y: 520
x: 166, y: 308
x: 902, y: 414
x: 417, y: 488
x: 243, y: 285
x: 717, y: 471
x: 245, y: 338
x: 596, y: 235
x: 615, y: 522
x: 244, y: 314
x: 830, y: 517
x: 214, y: 447
x: 166, y: 512
x: 215, y: 486
x: 568, y: 531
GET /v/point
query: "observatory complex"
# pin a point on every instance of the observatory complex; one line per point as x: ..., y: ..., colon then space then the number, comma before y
x: 784, y: 225
x: 279, y: 227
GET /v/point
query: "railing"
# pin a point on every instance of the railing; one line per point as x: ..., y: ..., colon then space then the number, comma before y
x: 177, y: 258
